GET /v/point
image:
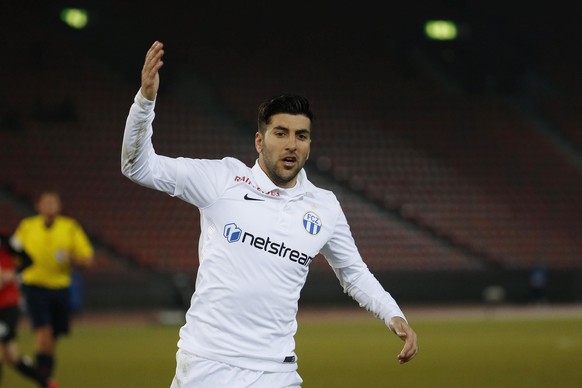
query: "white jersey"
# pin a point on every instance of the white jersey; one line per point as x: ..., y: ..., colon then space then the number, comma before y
x: 256, y: 244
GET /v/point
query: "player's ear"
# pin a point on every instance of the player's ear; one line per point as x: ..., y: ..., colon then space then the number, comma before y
x: 259, y: 142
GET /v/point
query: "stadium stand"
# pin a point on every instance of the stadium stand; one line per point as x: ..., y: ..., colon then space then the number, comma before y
x: 430, y: 177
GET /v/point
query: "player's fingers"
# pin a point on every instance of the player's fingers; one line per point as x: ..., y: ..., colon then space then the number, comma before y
x: 153, y: 50
x: 152, y: 70
x: 404, y: 358
x: 410, y: 348
x: 153, y: 59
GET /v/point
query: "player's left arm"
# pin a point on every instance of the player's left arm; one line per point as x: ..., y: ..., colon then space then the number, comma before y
x: 82, y: 254
x: 358, y: 282
x: 15, y: 248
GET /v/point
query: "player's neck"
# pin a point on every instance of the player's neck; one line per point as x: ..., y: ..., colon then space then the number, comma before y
x: 49, y: 221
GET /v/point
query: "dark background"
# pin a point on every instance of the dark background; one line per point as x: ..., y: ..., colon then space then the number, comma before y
x: 459, y: 164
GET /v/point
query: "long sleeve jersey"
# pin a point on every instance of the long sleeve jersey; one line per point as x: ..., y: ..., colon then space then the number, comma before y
x: 256, y: 244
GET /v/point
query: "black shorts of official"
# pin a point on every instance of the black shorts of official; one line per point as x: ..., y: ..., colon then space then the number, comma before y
x: 48, y: 307
x: 8, y: 321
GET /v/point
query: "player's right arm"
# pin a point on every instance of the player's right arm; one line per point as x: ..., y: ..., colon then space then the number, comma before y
x: 139, y: 161
x: 196, y: 181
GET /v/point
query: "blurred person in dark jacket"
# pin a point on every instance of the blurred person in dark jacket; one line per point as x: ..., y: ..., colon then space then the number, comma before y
x: 11, y: 264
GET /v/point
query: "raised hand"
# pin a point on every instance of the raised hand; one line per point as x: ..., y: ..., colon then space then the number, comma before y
x: 150, y: 78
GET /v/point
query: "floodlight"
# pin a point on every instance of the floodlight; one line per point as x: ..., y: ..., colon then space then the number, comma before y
x: 440, y: 30
x: 76, y: 18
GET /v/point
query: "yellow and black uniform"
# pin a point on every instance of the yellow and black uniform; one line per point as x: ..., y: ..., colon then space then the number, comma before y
x: 53, y: 248
x: 49, y: 247
x: 46, y: 282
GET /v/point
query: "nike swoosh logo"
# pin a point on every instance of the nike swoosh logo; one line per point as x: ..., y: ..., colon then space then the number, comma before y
x: 252, y: 199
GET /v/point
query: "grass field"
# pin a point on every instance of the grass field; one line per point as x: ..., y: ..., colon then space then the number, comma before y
x: 473, y: 348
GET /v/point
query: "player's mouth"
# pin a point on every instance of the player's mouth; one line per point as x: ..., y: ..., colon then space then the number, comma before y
x: 290, y: 161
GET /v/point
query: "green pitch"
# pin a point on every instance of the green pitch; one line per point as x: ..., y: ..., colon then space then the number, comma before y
x: 349, y: 352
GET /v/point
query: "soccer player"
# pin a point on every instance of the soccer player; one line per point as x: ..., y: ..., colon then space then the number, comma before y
x: 10, y: 316
x: 56, y: 244
x: 260, y: 229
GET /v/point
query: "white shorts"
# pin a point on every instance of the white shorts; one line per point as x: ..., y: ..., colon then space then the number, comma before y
x: 194, y: 372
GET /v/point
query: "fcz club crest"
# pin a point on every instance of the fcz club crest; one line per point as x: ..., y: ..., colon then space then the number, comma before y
x: 312, y: 223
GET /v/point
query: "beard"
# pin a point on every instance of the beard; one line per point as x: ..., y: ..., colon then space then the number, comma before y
x: 281, y: 175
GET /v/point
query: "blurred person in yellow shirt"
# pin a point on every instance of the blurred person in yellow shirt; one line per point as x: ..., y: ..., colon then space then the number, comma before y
x: 57, y: 244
